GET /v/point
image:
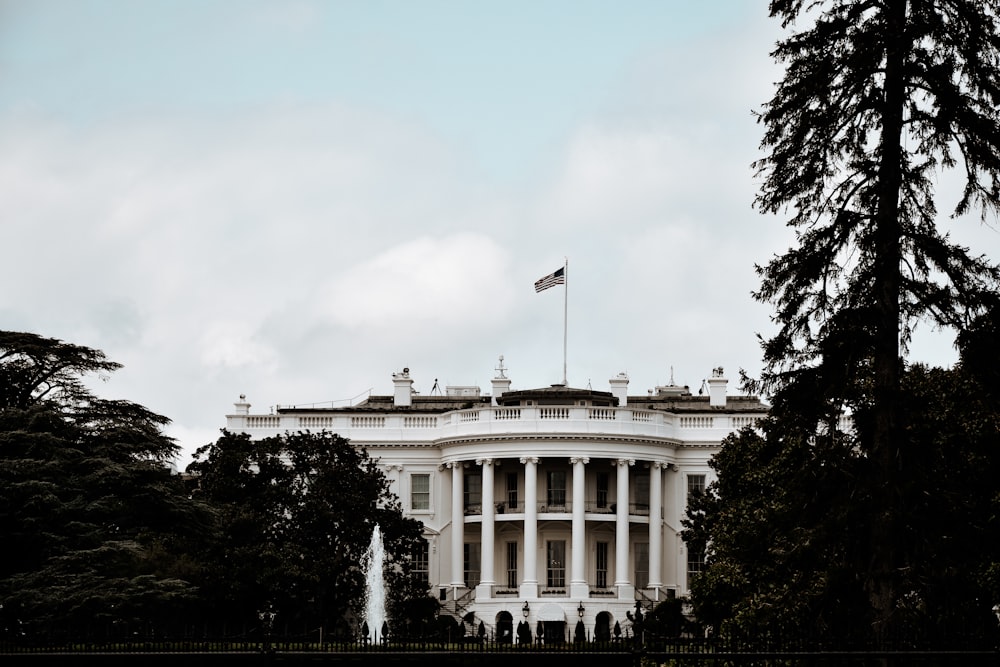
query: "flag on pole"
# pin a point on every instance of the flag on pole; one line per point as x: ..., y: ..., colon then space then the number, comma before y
x: 557, y: 277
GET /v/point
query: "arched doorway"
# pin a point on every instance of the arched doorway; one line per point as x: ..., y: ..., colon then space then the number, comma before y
x: 552, y: 624
x: 602, y: 627
x: 505, y: 627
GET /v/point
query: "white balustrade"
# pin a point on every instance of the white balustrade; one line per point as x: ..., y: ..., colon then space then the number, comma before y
x: 368, y: 422
x: 488, y: 420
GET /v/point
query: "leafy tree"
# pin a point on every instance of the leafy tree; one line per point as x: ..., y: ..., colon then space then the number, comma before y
x: 298, y: 511
x: 95, y: 523
x: 788, y: 523
x: 878, y: 98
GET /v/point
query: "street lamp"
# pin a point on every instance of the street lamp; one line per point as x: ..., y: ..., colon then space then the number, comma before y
x: 580, y: 610
x: 525, y: 610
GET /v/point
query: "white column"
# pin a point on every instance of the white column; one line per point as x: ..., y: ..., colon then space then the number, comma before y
x: 626, y: 590
x: 655, y: 524
x: 487, y: 577
x: 457, y: 526
x: 529, y: 584
x: 578, y: 577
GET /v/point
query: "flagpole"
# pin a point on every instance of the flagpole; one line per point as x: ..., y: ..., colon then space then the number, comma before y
x: 565, y: 314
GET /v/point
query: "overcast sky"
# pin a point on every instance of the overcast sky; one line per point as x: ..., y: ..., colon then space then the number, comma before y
x: 292, y: 200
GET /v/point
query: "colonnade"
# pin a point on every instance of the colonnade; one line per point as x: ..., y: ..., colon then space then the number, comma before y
x: 578, y: 583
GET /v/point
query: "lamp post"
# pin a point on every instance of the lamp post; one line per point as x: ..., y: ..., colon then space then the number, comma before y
x: 581, y: 632
x: 525, y: 610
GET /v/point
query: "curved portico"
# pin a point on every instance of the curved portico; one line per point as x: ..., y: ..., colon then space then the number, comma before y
x: 597, y: 495
x: 577, y: 484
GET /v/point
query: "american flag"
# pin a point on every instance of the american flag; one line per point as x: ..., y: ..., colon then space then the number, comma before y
x: 557, y: 277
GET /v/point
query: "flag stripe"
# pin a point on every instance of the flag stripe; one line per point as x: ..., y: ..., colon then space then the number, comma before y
x: 557, y: 277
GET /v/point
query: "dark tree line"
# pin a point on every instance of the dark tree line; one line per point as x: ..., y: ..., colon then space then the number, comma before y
x: 852, y: 534
x: 788, y: 524
x: 100, y: 536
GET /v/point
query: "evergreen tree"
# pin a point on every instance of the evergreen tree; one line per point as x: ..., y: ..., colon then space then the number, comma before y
x: 787, y: 525
x: 878, y: 98
x: 95, y: 525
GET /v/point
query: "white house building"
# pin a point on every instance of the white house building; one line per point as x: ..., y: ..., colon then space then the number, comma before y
x: 551, y: 504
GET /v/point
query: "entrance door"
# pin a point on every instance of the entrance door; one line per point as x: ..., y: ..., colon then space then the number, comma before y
x: 555, y: 632
x: 602, y: 627
x: 505, y: 627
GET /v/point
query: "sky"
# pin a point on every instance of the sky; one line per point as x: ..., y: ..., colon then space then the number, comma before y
x: 294, y: 200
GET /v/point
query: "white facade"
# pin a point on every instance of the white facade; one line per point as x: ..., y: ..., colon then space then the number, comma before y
x: 565, y: 501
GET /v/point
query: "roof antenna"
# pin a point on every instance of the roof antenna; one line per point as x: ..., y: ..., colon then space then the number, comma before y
x: 500, y: 369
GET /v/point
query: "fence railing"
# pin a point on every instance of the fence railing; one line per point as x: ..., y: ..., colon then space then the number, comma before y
x: 436, y: 636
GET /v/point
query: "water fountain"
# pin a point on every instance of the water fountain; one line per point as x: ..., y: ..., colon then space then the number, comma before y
x: 373, y: 564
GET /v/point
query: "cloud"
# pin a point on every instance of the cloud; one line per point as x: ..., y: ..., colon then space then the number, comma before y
x: 233, y: 344
x: 425, y: 283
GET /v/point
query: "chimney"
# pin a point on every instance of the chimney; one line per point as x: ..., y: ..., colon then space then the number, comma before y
x: 501, y: 383
x: 242, y: 407
x: 619, y: 388
x: 500, y: 386
x: 717, y: 388
x: 402, y: 396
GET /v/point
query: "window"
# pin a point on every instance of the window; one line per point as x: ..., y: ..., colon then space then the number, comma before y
x: 696, y: 484
x: 602, y: 490
x: 557, y: 488
x: 420, y: 563
x: 420, y: 492
x: 472, y: 564
x: 642, y: 492
x: 556, y: 553
x: 601, y: 562
x: 641, y: 564
x: 512, y: 565
x: 512, y: 491
x: 696, y: 562
x: 473, y: 491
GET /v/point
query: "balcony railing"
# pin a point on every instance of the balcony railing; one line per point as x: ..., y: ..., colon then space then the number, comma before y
x: 590, y: 507
x: 487, y: 420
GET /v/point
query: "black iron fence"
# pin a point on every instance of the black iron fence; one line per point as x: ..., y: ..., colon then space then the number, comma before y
x: 646, y: 650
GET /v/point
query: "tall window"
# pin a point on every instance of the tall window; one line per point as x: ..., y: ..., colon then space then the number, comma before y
x: 420, y: 492
x: 472, y: 563
x: 556, y: 570
x: 602, y: 490
x: 512, y: 565
x: 472, y: 484
x: 512, y: 490
x: 601, y: 563
x: 420, y: 564
x: 642, y: 492
x: 696, y: 562
x: 641, y: 564
x: 557, y: 488
x: 696, y: 484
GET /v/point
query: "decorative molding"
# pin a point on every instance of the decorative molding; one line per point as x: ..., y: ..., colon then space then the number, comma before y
x: 532, y: 459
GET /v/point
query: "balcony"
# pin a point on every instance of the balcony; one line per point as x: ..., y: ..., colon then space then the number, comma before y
x: 565, y: 507
x: 486, y: 421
